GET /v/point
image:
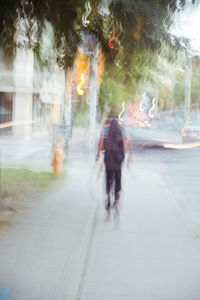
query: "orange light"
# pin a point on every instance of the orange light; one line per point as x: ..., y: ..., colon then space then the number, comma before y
x: 14, y: 123
x: 80, y: 90
x: 100, y: 68
x: 80, y: 66
x: 183, y: 131
x: 138, y: 29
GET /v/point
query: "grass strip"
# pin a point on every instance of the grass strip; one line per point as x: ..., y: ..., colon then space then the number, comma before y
x: 23, y: 184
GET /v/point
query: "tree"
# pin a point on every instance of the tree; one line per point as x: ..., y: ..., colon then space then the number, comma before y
x: 136, y: 30
x: 137, y: 24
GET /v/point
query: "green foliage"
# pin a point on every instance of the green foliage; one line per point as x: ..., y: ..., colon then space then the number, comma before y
x: 179, y: 94
x: 113, y: 91
x: 122, y: 83
x: 80, y: 112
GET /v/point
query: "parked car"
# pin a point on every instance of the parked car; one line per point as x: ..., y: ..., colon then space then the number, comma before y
x: 190, y: 133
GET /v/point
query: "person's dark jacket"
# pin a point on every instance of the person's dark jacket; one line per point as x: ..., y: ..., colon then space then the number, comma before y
x: 114, y: 147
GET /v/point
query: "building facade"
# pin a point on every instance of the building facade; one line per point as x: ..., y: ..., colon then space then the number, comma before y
x: 31, y: 96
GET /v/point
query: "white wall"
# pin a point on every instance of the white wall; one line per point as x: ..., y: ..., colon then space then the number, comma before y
x: 23, y: 96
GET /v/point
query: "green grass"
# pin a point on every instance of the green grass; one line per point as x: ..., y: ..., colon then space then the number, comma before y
x: 23, y: 184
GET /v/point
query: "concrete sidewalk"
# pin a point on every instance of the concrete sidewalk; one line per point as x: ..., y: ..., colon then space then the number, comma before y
x: 62, y: 248
x: 34, y: 153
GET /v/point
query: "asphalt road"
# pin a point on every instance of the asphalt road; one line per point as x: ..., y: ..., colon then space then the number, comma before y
x: 180, y: 170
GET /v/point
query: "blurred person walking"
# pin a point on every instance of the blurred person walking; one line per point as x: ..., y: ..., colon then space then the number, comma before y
x: 114, y: 146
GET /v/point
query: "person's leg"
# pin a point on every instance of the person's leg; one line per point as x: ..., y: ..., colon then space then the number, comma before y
x: 117, y: 185
x: 109, y: 180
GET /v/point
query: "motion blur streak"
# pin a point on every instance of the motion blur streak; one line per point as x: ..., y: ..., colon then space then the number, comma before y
x: 141, y: 107
x: 15, y: 123
x: 110, y: 43
x: 86, y: 14
x: 80, y: 91
x: 123, y: 109
x: 152, y: 108
x: 182, y: 146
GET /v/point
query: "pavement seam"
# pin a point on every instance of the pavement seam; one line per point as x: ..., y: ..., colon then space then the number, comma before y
x: 88, y: 254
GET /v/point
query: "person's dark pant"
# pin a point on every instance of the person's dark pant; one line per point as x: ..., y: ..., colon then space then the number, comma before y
x: 113, y: 176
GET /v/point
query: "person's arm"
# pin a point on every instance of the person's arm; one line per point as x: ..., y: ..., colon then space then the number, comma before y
x: 100, y: 148
x: 129, y: 150
x: 127, y: 145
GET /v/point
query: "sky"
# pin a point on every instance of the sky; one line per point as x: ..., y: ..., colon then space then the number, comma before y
x: 186, y: 25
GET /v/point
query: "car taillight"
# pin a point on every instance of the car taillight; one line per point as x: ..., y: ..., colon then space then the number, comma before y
x: 183, y: 132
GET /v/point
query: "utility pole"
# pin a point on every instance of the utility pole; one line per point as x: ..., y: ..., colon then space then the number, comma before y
x: 93, y: 93
x: 68, y: 108
x: 156, y: 109
x: 172, y: 92
x: 188, y: 77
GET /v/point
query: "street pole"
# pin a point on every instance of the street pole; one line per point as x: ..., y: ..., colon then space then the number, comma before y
x: 68, y: 106
x: 172, y: 93
x: 93, y: 92
x: 188, y: 76
x: 156, y: 109
x: 1, y: 194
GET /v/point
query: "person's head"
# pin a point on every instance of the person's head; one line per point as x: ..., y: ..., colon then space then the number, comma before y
x: 113, y: 115
x: 115, y: 129
x: 114, y: 122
